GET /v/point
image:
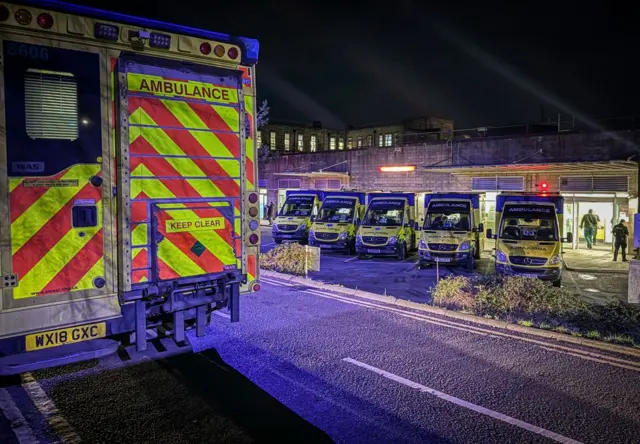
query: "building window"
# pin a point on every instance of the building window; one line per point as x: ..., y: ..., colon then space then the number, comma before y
x: 313, y: 143
x: 300, y: 142
x: 380, y: 140
x: 332, y: 143
x: 359, y: 142
x: 369, y: 141
x: 397, y: 139
x: 388, y: 140
x: 349, y: 143
x: 286, y: 141
x: 259, y: 139
x: 51, y: 105
x: 341, y: 144
x: 272, y: 140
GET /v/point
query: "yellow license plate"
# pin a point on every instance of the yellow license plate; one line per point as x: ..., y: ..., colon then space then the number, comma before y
x: 70, y: 335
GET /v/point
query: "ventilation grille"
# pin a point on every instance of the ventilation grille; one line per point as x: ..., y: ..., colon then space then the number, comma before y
x: 51, y: 105
x: 289, y: 184
x: 328, y: 184
x: 590, y: 184
x: 505, y: 183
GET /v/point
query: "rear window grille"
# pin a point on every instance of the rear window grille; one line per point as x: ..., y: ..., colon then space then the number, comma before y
x: 51, y: 105
x: 289, y: 183
x: 498, y: 183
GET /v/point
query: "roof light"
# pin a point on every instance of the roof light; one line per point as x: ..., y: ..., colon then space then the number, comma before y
x: 397, y: 169
x: 106, y: 32
x: 157, y: 40
x: 23, y: 17
x: 233, y: 53
x: 4, y: 13
x: 45, y: 21
x: 205, y: 48
x: 219, y: 51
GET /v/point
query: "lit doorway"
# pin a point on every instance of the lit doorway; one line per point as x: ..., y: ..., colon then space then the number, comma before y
x: 605, y: 213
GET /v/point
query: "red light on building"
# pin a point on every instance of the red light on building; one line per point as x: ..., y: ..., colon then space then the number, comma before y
x: 397, y: 169
x: 544, y: 186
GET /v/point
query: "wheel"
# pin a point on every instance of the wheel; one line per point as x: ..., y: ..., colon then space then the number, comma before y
x: 557, y: 283
x: 471, y: 263
x: 360, y: 256
x: 402, y: 252
x: 278, y: 241
x: 352, y: 248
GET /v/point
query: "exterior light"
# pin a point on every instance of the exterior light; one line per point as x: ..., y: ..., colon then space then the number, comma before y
x: 397, y: 169
x: 45, y: 21
x: 205, y: 48
x: 23, y: 17
x: 219, y: 51
x: 233, y: 53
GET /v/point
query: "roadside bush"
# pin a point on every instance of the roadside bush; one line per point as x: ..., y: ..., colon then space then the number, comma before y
x: 532, y: 301
x: 286, y: 258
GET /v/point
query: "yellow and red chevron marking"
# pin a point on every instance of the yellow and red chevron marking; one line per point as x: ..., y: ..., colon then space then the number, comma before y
x: 250, y: 148
x: 48, y: 254
x: 252, y: 267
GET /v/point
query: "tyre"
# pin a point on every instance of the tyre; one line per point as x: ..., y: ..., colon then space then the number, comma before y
x: 471, y: 263
x: 352, y: 248
x: 402, y: 251
x: 557, y: 283
x: 278, y: 241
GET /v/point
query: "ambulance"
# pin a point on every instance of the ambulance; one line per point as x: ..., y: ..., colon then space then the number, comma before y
x: 529, y: 235
x: 453, y: 230
x: 296, y: 215
x: 387, y: 228
x: 338, y: 220
x: 128, y: 182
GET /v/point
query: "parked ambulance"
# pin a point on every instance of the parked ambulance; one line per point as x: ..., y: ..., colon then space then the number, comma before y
x: 453, y: 230
x: 338, y: 220
x: 296, y: 215
x: 529, y: 235
x: 387, y: 228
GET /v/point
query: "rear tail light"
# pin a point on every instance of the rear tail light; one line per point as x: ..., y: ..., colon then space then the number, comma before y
x: 253, y: 225
x: 218, y: 50
x: 23, y: 17
x: 253, y: 198
x: 45, y: 21
x: 233, y: 53
x: 4, y: 13
x: 205, y: 48
x: 253, y: 211
x: 256, y: 287
x: 253, y: 239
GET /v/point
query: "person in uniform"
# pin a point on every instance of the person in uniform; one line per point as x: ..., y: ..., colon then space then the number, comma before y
x: 620, y: 235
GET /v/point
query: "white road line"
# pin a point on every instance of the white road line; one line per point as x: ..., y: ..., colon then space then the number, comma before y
x: 462, y: 403
x: 351, y: 259
x: 584, y: 354
x: 63, y: 430
x: 222, y: 315
x: 19, y: 425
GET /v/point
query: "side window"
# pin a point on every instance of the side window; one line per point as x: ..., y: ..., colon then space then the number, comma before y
x: 51, y: 105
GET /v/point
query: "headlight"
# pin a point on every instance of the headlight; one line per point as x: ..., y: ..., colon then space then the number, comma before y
x: 500, y: 256
x: 274, y: 228
x: 555, y: 260
x: 393, y: 240
x: 302, y: 226
x: 358, y: 238
x: 464, y: 246
x: 312, y: 233
x: 344, y: 235
x: 422, y: 245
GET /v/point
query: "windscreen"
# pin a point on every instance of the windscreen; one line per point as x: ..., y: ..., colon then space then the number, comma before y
x: 387, y: 212
x: 529, y: 222
x: 453, y: 216
x: 337, y: 210
x: 298, y: 206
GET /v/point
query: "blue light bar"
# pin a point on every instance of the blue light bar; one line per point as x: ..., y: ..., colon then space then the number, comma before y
x: 106, y: 32
x: 251, y: 46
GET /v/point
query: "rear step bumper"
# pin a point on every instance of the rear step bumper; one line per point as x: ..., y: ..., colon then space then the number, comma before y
x: 53, y: 357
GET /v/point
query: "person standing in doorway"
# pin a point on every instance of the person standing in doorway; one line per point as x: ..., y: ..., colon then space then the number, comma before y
x: 272, y: 213
x: 620, y: 234
x: 589, y: 223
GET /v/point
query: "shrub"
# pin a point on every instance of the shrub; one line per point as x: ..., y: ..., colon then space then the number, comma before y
x: 286, y: 258
x: 454, y: 292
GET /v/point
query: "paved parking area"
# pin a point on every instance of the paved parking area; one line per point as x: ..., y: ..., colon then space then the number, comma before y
x: 402, y: 279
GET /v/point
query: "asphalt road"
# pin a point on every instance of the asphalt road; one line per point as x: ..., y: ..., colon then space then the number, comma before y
x: 403, y: 280
x: 307, y: 366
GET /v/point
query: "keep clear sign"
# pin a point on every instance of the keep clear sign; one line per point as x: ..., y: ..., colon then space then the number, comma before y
x: 200, y: 224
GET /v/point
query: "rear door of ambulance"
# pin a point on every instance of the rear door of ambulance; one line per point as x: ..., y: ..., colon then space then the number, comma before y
x: 56, y: 222
x: 182, y: 149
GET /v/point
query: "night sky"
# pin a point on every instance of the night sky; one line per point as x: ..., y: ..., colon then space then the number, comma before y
x: 377, y: 62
